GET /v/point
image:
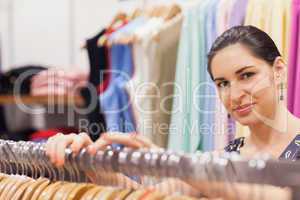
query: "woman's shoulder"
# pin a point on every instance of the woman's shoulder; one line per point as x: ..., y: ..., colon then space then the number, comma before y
x: 235, y: 145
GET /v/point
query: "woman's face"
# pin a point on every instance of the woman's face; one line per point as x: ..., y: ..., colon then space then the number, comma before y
x: 245, y: 84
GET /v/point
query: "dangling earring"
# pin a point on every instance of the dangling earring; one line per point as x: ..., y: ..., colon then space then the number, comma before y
x: 281, y: 96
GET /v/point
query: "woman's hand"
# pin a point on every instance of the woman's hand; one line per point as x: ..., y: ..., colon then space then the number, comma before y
x: 56, y: 145
x: 131, y: 140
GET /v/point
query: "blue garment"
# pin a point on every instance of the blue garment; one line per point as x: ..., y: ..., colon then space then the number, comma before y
x: 115, y: 102
x: 209, y: 102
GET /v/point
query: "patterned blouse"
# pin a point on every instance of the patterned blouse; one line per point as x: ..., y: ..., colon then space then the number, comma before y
x: 291, y: 152
x: 235, y: 145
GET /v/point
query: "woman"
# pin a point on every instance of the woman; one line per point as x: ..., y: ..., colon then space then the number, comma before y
x: 250, y: 76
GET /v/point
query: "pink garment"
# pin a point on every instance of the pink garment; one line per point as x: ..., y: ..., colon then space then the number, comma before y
x: 294, y: 61
x: 58, y: 82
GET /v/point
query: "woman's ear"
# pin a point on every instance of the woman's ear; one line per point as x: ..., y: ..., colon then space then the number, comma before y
x: 279, y: 70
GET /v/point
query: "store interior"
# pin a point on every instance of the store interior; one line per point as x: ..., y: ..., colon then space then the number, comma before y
x: 139, y: 69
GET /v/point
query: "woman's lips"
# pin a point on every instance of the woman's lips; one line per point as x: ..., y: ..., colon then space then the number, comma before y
x: 244, y: 109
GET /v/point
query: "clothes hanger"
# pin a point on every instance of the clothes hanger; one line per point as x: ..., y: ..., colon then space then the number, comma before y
x: 108, y: 194
x: 3, y: 185
x: 171, y: 12
x: 104, y: 193
x: 136, y: 194
x: 136, y: 13
x: 156, y: 10
x: 79, y: 191
x: 119, y: 19
x: 63, y: 190
x: 155, y: 196
x: 50, y: 190
x: 22, y: 189
x: 22, y: 181
x: 159, y: 163
x: 11, y: 182
x: 90, y: 195
x: 40, y: 189
x: 33, y: 187
x: 35, y: 190
x: 70, y: 168
x: 15, y: 181
x: 123, y: 194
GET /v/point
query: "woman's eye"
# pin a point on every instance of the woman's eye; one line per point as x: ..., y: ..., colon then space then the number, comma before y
x: 247, y: 75
x: 223, y: 84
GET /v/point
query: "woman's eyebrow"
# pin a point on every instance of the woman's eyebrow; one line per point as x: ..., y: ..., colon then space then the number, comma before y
x: 242, y: 69
x: 219, y: 79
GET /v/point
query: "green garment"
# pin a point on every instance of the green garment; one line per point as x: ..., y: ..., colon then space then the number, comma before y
x: 184, y: 133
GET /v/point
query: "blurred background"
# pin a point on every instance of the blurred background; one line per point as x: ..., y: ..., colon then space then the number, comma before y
x: 52, y: 32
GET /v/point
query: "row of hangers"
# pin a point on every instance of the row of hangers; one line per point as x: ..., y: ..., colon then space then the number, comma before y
x: 28, y: 158
x: 17, y: 187
x: 163, y: 11
x: 166, y: 12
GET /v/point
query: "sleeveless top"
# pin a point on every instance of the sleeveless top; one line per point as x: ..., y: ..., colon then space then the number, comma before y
x: 291, y: 152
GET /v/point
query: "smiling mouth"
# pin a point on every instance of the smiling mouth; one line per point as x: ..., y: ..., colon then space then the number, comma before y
x: 243, y: 106
x: 244, y: 109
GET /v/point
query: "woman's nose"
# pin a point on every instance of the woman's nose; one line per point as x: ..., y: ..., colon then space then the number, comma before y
x: 236, y: 93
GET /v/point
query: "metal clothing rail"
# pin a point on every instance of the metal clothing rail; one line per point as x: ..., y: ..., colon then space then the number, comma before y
x: 30, y: 159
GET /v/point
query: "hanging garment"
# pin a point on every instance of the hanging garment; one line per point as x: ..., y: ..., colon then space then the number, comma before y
x: 127, y: 31
x: 294, y: 61
x: 186, y: 119
x: 207, y: 104
x: 223, y: 15
x: 273, y: 18
x: 238, y: 13
x: 140, y: 86
x: 98, y: 79
x: 97, y: 60
x: 151, y: 87
x: 115, y: 101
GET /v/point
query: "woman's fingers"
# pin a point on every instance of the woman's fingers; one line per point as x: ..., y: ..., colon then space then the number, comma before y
x: 124, y: 139
x: 61, y: 145
x: 51, y: 147
x: 56, y: 146
x: 80, y: 141
x: 100, y: 144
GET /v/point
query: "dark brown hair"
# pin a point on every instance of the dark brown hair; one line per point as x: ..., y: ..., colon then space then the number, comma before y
x: 259, y: 43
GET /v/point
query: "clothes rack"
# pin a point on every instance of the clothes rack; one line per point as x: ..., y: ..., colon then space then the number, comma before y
x: 29, y: 158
